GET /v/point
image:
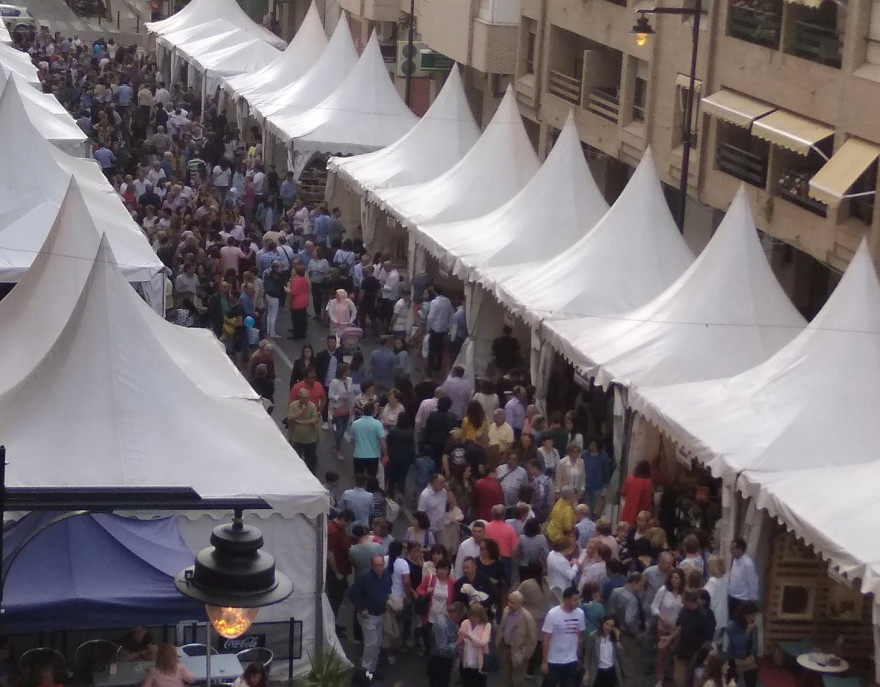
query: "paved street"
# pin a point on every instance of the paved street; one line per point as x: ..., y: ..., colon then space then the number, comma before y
x: 57, y: 16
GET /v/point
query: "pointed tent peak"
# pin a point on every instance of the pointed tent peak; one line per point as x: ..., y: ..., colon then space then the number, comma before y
x: 73, y: 235
x: 451, y: 101
x: 568, y: 136
x: 342, y: 26
x: 855, y: 303
x: 312, y: 20
x: 738, y: 218
x: 507, y: 112
x: 372, y: 46
x: 310, y: 38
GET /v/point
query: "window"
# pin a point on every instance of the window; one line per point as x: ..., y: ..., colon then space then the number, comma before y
x: 531, y: 46
x: 682, y: 83
x: 741, y: 155
x: 872, y: 53
x: 796, y: 601
x: 640, y: 91
x: 756, y: 21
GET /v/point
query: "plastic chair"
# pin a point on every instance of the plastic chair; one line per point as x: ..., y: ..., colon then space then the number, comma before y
x: 197, y: 650
x: 41, y: 656
x: 95, y: 655
x: 260, y: 654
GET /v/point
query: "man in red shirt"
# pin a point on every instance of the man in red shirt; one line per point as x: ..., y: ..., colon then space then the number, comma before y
x: 487, y: 493
x: 338, y: 564
x: 317, y: 395
x: 505, y: 536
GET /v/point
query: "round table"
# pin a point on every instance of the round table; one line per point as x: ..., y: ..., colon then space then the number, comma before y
x: 819, y: 662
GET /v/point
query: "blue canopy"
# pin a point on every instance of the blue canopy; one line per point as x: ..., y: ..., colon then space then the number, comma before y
x: 92, y: 570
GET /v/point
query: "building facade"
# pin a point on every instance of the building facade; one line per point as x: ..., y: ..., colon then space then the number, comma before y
x: 786, y: 96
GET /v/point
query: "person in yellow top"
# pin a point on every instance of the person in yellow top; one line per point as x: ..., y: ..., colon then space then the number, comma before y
x: 474, y: 422
x: 562, y: 517
x: 500, y: 432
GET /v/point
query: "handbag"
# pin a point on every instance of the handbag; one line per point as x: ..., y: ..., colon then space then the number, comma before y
x: 422, y: 604
x: 491, y: 664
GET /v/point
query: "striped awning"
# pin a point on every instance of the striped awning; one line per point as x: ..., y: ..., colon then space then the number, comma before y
x: 735, y: 108
x: 831, y: 183
x: 791, y: 131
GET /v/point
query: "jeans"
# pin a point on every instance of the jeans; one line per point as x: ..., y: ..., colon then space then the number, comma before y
x: 272, y: 305
x: 335, y: 591
x: 435, y: 350
x: 439, y: 670
x: 370, y: 466
x: 471, y: 677
x: 371, y: 626
x: 299, y: 319
x: 319, y: 292
x: 309, y: 454
x: 562, y: 674
x: 340, y: 424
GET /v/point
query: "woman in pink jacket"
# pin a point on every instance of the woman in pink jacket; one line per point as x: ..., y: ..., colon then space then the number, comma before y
x: 438, y: 587
x: 299, y: 291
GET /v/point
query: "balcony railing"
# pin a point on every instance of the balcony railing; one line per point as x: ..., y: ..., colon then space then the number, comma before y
x: 755, y: 25
x: 817, y: 43
x: 794, y: 187
x: 564, y: 86
x: 742, y: 164
x: 604, y: 102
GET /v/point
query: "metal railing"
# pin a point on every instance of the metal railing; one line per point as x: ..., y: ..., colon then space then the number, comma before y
x: 604, y: 102
x: 564, y: 86
x: 817, y: 43
x: 741, y: 164
x: 755, y: 25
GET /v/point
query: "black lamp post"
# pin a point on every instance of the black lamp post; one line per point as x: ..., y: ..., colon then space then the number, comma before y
x: 410, y: 36
x: 234, y: 579
x: 643, y: 30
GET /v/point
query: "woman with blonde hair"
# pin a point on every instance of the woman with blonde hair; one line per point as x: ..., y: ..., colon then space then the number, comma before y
x: 168, y: 672
x: 716, y: 585
x: 474, y: 636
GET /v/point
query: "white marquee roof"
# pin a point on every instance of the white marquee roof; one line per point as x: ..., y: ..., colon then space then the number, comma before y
x: 492, y: 172
x: 364, y: 114
x: 303, y: 51
x: 510, y: 234
x: 324, y: 77
x: 5, y: 38
x: 12, y: 60
x: 48, y: 116
x: 78, y: 356
x: 203, y: 11
x: 812, y: 405
x: 33, y: 189
x: 632, y: 254
x: 191, y: 49
x: 725, y: 314
x: 440, y: 139
x: 214, y: 29
x: 233, y: 58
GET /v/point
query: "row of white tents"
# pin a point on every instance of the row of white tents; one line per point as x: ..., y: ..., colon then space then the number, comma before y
x: 709, y: 349
x: 97, y: 390
x: 318, y: 96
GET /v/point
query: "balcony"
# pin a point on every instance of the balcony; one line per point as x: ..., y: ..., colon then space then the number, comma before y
x: 742, y: 164
x: 563, y: 86
x: 794, y: 187
x: 756, y: 22
x: 605, y: 102
x: 817, y: 43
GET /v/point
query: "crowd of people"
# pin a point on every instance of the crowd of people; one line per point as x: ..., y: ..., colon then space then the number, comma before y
x: 510, y: 562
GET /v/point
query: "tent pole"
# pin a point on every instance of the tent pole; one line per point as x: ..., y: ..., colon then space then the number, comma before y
x: 320, y: 562
x: 208, y: 654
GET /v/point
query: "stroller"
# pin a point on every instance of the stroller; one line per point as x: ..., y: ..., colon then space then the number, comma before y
x: 350, y: 338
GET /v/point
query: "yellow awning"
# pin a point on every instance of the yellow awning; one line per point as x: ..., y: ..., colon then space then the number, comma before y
x: 684, y: 81
x: 831, y: 183
x: 813, y: 4
x: 791, y: 131
x: 735, y: 108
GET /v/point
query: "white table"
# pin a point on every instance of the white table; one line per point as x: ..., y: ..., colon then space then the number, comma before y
x: 816, y: 662
x: 122, y: 674
x: 224, y: 667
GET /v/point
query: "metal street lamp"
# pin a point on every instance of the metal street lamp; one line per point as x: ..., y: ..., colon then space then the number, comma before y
x: 642, y: 31
x: 234, y: 579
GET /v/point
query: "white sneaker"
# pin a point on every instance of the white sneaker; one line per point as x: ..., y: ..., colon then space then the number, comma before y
x: 275, y: 336
x: 325, y: 425
x: 339, y: 456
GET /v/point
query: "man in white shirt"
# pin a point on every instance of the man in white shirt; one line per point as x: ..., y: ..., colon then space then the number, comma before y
x: 438, y: 320
x: 743, y: 580
x: 162, y: 95
x: 470, y: 547
x: 511, y: 476
x: 563, y: 638
x: 432, y: 502
x: 391, y: 286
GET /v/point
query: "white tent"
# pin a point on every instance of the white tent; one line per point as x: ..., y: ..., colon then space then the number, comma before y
x: 492, y: 172
x: 125, y: 408
x: 49, y: 117
x: 440, y: 139
x: 5, y: 38
x: 203, y: 11
x: 632, y: 254
x: 725, y: 314
x: 33, y: 189
x: 12, y: 60
x: 231, y: 58
x: 364, y: 114
x: 335, y: 63
x: 812, y: 405
x: 303, y: 51
x: 215, y: 28
x: 507, y: 235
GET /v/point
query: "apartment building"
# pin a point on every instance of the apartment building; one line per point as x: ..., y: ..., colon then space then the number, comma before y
x: 480, y: 35
x: 787, y: 96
